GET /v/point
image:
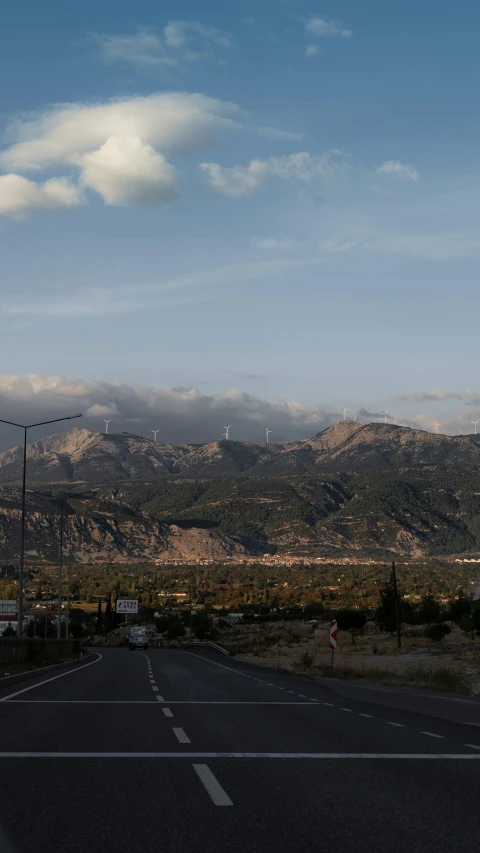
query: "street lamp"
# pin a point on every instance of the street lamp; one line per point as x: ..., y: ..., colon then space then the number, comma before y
x: 22, y: 545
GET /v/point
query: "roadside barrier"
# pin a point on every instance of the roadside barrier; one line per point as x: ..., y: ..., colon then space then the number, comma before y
x: 208, y: 645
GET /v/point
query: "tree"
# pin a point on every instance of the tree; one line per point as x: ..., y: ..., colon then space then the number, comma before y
x: 458, y: 608
x: 437, y: 631
x: 429, y: 609
x: 99, y: 622
x: 176, y: 628
x: 202, y: 626
x: 467, y: 626
x: 351, y: 620
x: 9, y: 631
x: 108, y: 621
x: 476, y: 620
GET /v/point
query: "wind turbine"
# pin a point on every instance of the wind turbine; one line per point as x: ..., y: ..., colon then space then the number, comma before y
x: 106, y: 425
x: 384, y: 413
x: 437, y: 425
x: 475, y: 425
x: 155, y: 434
x: 227, y: 432
x: 268, y: 431
x: 345, y: 410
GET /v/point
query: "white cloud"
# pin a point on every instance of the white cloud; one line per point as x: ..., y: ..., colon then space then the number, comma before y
x: 238, y: 181
x: 276, y: 133
x: 152, y: 49
x: 19, y: 196
x: 321, y: 28
x: 118, y: 148
x: 184, y: 414
x: 125, y: 171
x: 396, y: 169
x: 174, y: 122
x: 312, y: 50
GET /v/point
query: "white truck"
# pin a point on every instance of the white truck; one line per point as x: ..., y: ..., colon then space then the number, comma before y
x: 138, y: 638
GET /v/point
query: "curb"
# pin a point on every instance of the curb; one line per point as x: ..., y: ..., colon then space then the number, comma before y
x: 7, y: 680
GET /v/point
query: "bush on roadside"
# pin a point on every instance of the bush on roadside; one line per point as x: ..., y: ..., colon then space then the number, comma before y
x: 437, y: 631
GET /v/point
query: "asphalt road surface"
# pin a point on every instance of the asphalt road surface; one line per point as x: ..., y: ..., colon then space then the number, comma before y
x: 170, y: 750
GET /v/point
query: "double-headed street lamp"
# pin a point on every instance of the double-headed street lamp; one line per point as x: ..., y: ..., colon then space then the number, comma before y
x: 22, y: 544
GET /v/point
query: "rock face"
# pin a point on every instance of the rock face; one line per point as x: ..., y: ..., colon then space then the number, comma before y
x: 360, y: 489
x: 116, y: 534
x: 82, y: 456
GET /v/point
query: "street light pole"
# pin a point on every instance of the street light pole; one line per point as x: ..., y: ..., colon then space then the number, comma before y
x: 60, y: 574
x: 26, y: 427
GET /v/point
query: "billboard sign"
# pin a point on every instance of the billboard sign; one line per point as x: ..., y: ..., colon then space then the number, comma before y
x: 127, y: 605
x: 8, y: 607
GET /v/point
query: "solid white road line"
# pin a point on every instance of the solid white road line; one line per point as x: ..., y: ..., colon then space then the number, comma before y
x: 181, y: 736
x: 404, y: 756
x: 310, y: 704
x: 212, y: 785
x: 167, y: 712
x: 54, y: 678
x: 398, y: 725
x: 432, y: 734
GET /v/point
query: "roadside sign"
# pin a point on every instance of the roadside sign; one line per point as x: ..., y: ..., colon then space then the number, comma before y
x: 127, y: 605
x: 8, y: 607
x: 333, y: 634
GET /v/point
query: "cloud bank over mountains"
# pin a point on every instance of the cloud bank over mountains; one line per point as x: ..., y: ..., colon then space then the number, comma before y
x: 186, y: 415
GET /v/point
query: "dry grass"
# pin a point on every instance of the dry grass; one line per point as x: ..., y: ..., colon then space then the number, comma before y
x: 298, y: 647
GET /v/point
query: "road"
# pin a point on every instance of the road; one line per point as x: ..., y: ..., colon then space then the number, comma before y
x: 169, y: 750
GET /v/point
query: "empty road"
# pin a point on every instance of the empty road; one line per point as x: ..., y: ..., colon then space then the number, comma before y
x: 170, y: 750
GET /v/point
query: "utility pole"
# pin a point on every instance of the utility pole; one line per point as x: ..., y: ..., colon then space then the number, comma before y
x: 397, y: 604
x: 60, y: 576
x: 69, y: 568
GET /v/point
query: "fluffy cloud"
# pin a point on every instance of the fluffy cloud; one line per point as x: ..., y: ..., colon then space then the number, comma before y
x: 173, y: 122
x: 19, y: 196
x: 119, y: 149
x: 124, y: 171
x: 312, y: 50
x: 238, y: 181
x: 152, y: 49
x: 321, y: 28
x: 182, y: 414
x: 396, y: 169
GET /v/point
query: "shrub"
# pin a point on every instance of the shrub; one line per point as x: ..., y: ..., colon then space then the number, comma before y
x: 437, y: 631
x: 306, y: 660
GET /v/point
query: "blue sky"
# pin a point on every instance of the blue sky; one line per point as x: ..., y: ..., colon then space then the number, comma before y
x: 273, y: 203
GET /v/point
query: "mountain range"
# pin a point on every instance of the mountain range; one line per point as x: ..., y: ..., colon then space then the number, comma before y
x: 358, y: 489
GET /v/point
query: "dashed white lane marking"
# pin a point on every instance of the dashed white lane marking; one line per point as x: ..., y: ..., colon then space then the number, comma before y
x: 167, y: 712
x: 329, y: 704
x: 54, y: 678
x: 160, y: 698
x: 369, y: 716
x: 398, y: 725
x: 432, y: 734
x: 413, y: 756
x: 181, y: 736
x: 346, y: 709
x: 212, y: 785
x: 471, y: 746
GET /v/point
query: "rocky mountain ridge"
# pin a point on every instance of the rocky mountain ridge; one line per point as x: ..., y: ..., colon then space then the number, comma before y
x: 79, y: 455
